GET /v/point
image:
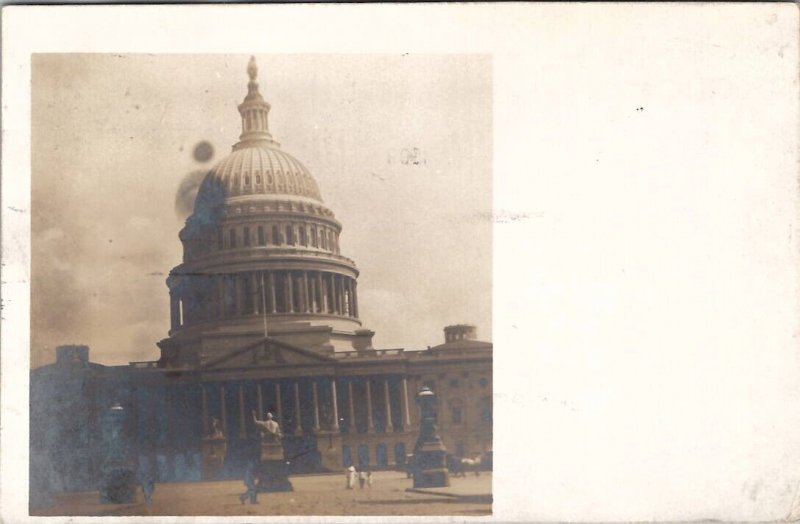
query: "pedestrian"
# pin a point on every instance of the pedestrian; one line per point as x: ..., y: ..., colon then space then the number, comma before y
x: 147, y: 481
x: 362, y: 479
x: 369, y: 479
x: 250, y: 482
x: 350, y: 474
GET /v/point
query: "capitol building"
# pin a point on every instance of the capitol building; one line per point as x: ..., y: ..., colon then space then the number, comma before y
x: 264, y: 317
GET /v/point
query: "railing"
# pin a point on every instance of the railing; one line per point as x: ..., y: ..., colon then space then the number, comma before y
x: 367, y: 353
x: 144, y: 364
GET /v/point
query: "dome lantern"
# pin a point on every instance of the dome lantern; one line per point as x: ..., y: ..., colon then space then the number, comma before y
x: 255, y: 113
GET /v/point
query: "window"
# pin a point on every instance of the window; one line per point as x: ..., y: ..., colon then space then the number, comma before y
x: 258, y: 179
x: 275, y: 236
x: 400, y: 454
x: 381, y: 455
x: 303, y: 236
x: 246, y: 236
x: 220, y: 241
x: 232, y: 238
x: 289, y: 235
x: 247, y: 180
x: 486, y: 410
x: 454, y: 383
x: 313, y: 236
x: 455, y: 415
x: 347, y: 457
x: 261, y: 239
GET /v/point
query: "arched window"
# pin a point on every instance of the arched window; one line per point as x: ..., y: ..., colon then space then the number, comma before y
x: 261, y: 239
x: 322, y: 239
x: 313, y: 236
x: 258, y: 179
x: 276, y: 238
x: 303, y: 236
x: 247, y: 180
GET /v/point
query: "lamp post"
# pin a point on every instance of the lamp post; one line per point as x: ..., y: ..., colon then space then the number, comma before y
x: 430, y: 469
x: 119, y: 482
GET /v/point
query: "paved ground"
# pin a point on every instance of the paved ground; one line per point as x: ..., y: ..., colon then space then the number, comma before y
x: 312, y: 495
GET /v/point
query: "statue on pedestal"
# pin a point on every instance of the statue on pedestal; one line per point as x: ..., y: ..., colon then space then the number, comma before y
x: 272, y: 471
x: 215, y: 446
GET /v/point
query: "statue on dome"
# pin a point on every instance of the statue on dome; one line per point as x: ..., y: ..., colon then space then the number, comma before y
x: 252, y: 69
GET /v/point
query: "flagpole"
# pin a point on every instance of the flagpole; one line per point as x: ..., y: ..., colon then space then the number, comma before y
x: 264, y: 304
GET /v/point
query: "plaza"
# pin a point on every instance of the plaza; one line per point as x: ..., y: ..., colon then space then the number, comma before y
x: 321, y: 494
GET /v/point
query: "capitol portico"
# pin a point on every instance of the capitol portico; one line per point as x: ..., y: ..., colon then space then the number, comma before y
x: 264, y: 316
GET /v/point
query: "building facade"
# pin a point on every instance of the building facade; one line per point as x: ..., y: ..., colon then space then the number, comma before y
x: 264, y: 317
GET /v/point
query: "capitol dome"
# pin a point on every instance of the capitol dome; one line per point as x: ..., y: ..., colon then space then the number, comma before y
x: 261, y: 255
x: 264, y: 170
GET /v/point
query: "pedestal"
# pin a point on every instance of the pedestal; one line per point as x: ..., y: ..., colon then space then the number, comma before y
x: 214, y: 450
x: 272, y: 472
x: 430, y: 467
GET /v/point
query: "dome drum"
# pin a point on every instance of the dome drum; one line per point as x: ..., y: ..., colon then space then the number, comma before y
x: 261, y: 249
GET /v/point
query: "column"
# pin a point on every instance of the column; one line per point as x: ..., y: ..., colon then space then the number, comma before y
x: 221, y: 295
x: 341, y: 295
x: 224, y: 420
x: 388, y: 403
x: 205, y: 410
x: 306, y: 294
x: 320, y: 294
x: 335, y: 425
x: 242, y: 428
x: 278, y: 408
x: 331, y: 293
x: 351, y: 409
x: 350, y: 297
x: 316, y: 405
x: 289, y: 292
x: 238, y: 303
x: 260, y: 400
x: 255, y: 292
x: 272, y: 291
x: 298, y: 425
x: 355, y: 299
x: 370, y: 426
x: 404, y: 403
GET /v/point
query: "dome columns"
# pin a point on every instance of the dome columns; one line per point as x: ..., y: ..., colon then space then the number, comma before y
x: 253, y: 293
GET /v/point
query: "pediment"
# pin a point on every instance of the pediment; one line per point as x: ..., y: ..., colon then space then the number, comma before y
x: 267, y: 352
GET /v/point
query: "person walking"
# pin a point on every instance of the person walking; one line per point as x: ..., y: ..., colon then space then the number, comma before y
x: 362, y: 479
x: 350, y: 475
x: 250, y: 483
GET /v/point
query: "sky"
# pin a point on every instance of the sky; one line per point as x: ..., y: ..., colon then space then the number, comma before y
x: 113, y: 138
